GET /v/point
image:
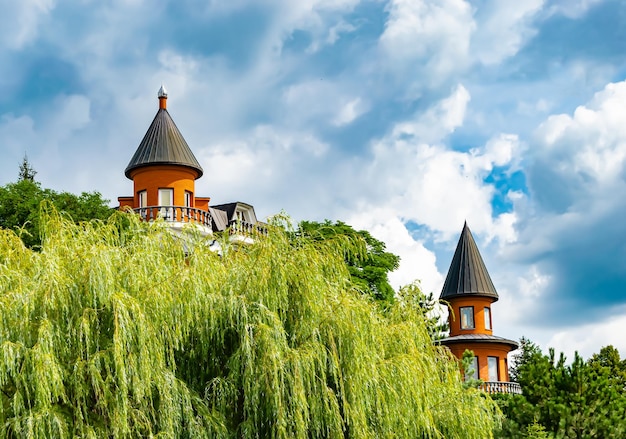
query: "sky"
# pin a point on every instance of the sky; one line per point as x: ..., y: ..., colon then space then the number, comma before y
x: 402, y: 117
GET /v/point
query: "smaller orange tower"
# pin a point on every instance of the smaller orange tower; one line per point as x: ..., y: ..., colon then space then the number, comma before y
x: 470, y: 292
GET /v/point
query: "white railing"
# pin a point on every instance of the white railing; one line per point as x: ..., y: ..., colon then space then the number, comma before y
x: 501, y: 387
x: 238, y: 227
x: 180, y: 214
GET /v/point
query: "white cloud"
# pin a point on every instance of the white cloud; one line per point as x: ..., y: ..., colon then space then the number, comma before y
x: 335, y: 31
x: 588, y: 149
x: 439, y: 120
x: 21, y: 20
x: 427, y: 40
x: 433, y: 185
x: 503, y: 28
x: 573, y: 8
x: 350, y: 111
x: 589, y: 339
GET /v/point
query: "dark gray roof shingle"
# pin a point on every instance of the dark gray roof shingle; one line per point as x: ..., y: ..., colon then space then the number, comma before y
x: 481, y: 338
x: 163, y: 144
x: 467, y: 274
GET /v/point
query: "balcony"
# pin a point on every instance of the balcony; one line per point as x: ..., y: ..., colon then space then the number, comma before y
x: 500, y: 387
x: 238, y: 227
x: 178, y: 216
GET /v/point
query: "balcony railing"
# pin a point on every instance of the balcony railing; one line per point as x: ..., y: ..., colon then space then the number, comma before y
x: 238, y: 227
x: 501, y: 387
x: 181, y: 214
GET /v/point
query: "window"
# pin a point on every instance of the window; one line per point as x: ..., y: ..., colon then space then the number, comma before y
x: 240, y: 215
x: 487, y: 318
x: 472, y: 372
x: 493, y: 368
x: 166, y: 197
x: 143, y: 198
x: 188, y: 199
x: 467, y: 317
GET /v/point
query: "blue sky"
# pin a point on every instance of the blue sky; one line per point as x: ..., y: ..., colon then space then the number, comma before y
x: 404, y: 117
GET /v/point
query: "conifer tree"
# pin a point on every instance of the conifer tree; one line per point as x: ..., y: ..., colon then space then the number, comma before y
x: 27, y: 172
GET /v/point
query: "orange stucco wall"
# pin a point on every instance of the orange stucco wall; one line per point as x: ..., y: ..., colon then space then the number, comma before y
x: 479, y: 304
x: 482, y: 351
x: 202, y: 203
x: 125, y: 202
x: 156, y: 177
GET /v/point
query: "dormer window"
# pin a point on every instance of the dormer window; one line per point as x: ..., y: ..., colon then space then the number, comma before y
x: 242, y: 216
x: 467, y: 317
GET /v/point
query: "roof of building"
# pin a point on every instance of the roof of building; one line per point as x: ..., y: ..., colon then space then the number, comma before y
x: 163, y: 144
x: 231, y: 208
x: 467, y: 274
x: 479, y: 338
x: 220, y: 219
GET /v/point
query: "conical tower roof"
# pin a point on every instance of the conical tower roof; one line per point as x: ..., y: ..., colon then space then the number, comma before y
x: 163, y: 144
x: 467, y: 274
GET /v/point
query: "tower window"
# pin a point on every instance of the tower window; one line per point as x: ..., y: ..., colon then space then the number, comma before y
x: 166, y: 197
x: 467, y: 317
x: 143, y: 198
x: 166, y: 200
x: 493, y: 368
x: 188, y: 199
x: 487, y: 318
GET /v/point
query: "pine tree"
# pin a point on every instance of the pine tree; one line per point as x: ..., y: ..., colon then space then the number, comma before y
x: 27, y: 172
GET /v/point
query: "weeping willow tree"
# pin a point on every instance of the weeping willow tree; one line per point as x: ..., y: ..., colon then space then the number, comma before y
x: 120, y: 329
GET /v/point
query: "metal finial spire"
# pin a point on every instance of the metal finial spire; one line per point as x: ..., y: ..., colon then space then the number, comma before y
x: 162, y: 92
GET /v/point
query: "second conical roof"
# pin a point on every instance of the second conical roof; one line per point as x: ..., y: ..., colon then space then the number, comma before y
x: 163, y: 144
x: 467, y: 274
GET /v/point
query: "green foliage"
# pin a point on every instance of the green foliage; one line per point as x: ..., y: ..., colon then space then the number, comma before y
x: 121, y: 329
x: 536, y: 431
x: 468, y: 370
x: 20, y: 202
x: 412, y: 294
x: 370, y: 270
x: 27, y: 172
x: 579, y: 400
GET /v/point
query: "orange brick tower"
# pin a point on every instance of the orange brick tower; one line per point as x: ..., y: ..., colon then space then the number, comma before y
x: 470, y: 292
x: 164, y: 170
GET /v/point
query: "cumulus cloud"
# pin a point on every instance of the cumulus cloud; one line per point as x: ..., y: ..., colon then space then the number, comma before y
x: 427, y: 39
x: 439, y: 120
x: 434, y: 185
x: 503, y: 28
x: 22, y: 20
x: 572, y: 8
x: 571, y: 230
x: 350, y: 111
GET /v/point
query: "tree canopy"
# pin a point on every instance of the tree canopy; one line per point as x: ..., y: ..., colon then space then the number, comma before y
x: 370, y: 270
x: 20, y: 202
x: 119, y: 328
